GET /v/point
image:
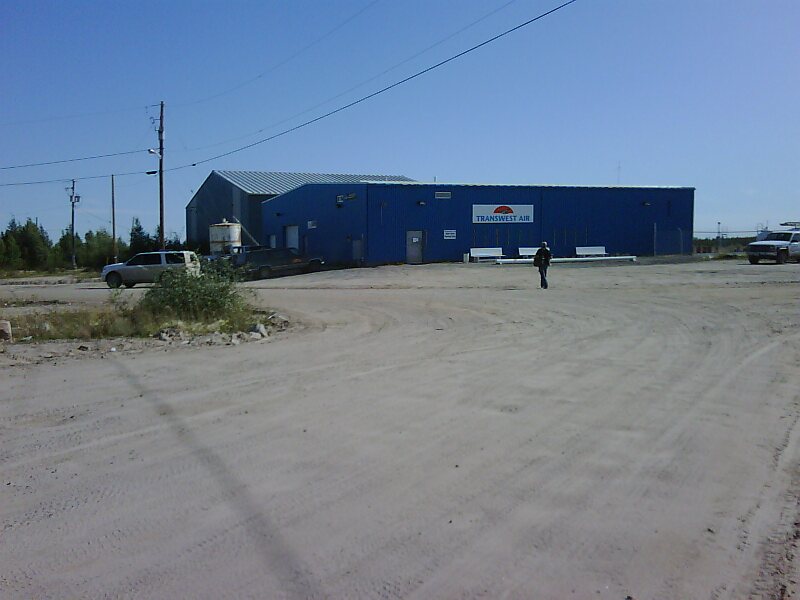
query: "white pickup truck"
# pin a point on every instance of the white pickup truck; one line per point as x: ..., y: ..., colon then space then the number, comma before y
x: 780, y: 246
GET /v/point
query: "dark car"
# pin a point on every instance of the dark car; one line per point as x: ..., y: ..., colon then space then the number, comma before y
x: 263, y: 263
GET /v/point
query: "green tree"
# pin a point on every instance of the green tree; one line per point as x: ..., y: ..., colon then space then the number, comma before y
x: 173, y: 242
x: 34, y: 245
x: 63, y: 248
x: 141, y: 241
x: 97, y: 250
x: 61, y: 254
x: 2, y: 252
x: 13, y: 253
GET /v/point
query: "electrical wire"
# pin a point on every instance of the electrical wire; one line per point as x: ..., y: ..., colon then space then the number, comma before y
x: 67, y: 160
x: 360, y: 84
x: 239, y: 86
x: 78, y: 115
x: 83, y: 211
x: 329, y: 113
x: 380, y: 91
x: 284, y: 61
x: 68, y: 179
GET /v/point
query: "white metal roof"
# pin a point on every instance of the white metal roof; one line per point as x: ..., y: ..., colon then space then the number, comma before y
x: 547, y: 185
x: 271, y: 183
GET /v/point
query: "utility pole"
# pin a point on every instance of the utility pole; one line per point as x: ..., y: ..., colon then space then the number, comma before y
x: 73, y: 200
x: 113, y: 221
x: 161, y: 176
x: 719, y: 238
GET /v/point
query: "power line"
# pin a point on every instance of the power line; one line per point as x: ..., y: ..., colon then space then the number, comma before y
x: 260, y: 75
x: 79, y: 115
x: 380, y: 91
x: 68, y: 179
x: 67, y: 160
x: 362, y: 83
x: 326, y: 115
x: 284, y: 61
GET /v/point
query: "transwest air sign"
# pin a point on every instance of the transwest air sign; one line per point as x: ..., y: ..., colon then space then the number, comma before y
x: 502, y: 213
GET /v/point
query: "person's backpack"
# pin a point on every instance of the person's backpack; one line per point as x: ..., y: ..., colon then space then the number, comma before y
x: 537, y: 259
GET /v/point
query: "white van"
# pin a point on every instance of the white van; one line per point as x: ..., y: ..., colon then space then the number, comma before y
x: 145, y: 267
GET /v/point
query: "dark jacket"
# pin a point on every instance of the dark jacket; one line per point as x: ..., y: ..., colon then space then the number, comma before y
x: 542, y: 257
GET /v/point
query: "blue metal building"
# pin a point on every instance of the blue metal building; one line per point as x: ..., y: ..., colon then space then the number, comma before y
x: 376, y: 223
x: 237, y: 197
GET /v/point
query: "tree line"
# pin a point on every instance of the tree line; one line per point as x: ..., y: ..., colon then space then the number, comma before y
x: 27, y: 246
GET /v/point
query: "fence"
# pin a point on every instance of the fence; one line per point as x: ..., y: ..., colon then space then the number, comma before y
x: 721, y: 242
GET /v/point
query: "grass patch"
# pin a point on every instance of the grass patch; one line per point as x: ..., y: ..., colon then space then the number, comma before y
x: 200, y: 304
x: 24, y: 302
x: 76, y: 274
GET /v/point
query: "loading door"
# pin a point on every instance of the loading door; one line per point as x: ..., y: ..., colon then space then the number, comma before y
x: 292, y: 236
x: 413, y: 247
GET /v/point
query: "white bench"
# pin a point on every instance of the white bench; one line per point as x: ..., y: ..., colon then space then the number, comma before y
x: 525, y: 257
x: 585, y: 254
x: 490, y: 253
x: 590, y: 251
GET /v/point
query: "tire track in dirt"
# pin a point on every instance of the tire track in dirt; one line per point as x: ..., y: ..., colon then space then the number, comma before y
x: 325, y: 465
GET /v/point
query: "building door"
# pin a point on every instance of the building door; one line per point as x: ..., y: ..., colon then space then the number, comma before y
x: 413, y: 247
x: 292, y: 233
x: 358, y: 251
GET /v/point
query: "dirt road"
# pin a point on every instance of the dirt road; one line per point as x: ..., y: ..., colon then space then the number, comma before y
x: 441, y: 431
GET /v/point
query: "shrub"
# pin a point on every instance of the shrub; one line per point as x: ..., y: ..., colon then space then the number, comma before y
x: 209, y: 302
x: 210, y: 296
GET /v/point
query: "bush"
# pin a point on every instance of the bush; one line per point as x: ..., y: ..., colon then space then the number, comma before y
x: 181, y: 295
x: 198, y: 304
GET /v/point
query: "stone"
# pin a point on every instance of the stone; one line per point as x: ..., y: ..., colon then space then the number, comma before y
x: 5, y: 331
x: 260, y: 329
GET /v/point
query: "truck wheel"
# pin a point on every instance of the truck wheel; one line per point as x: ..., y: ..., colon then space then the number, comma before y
x: 313, y: 266
x: 753, y: 260
x: 114, y: 280
x: 782, y: 257
x: 264, y: 273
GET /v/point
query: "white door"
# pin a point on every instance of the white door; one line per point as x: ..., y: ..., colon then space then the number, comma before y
x: 292, y: 236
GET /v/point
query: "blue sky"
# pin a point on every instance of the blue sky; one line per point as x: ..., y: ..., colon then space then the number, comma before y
x: 645, y: 92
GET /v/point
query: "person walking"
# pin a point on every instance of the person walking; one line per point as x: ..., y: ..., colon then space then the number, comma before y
x: 542, y: 260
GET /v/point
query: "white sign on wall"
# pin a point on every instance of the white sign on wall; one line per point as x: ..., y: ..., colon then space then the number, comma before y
x: 502, y: 213
x: 449, y: 234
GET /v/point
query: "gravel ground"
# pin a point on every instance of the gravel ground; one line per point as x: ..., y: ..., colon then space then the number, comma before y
x: 436, y: 431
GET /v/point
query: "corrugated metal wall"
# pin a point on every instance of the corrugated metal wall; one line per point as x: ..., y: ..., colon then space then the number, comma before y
x: 640, y: 221
x: 218, y: 199
x: 328, y: 228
